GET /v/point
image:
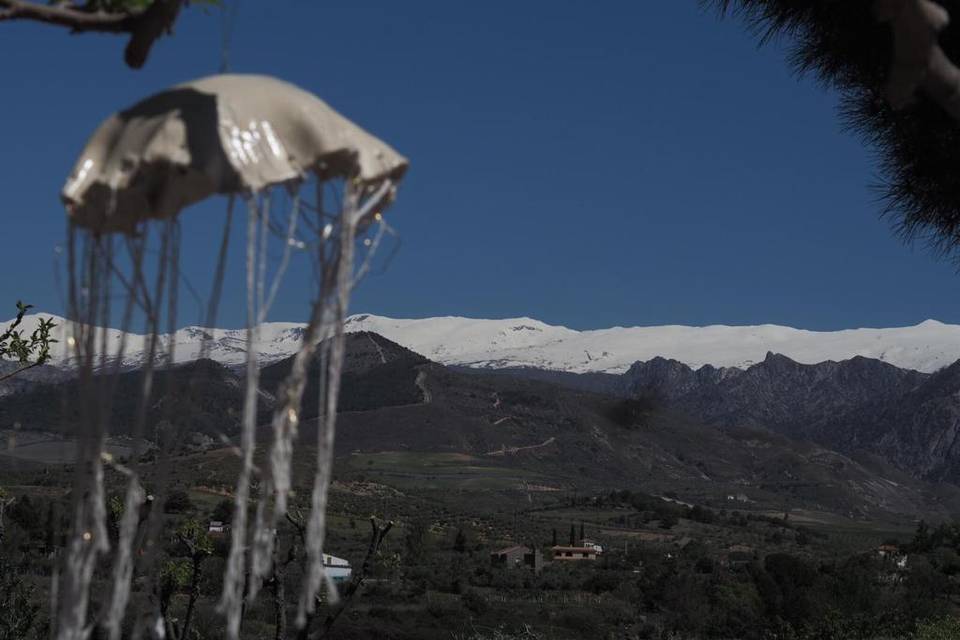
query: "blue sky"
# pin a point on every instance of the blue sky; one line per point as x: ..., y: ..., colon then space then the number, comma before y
x: 584, y: 163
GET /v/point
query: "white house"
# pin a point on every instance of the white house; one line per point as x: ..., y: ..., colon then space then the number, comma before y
x: 337, y: 568
x: 586, y: 542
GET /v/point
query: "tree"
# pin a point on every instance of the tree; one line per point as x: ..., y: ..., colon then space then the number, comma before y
x: 414, y: 542
x: 5, y: 501
x: 668, y: 520
x: 19, y: 605
x: 144, y: 21
x: 194, y: 538
x: 378, y: 533
x: 51, y: 528
x: 174, y: 577
x: 891, y: 62
x: 177, y: 502
x: 460, y: 542
x: 922, y: 540
x: 223, y: 512
x: 26, y: 514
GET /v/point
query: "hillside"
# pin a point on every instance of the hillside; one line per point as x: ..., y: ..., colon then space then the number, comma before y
x: 858, y: 407
x: 700, y: 442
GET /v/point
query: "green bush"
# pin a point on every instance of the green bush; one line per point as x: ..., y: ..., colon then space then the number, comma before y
x: 946, y: 628
x: 177, y: 502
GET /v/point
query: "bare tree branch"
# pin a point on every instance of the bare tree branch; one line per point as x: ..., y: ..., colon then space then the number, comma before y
x: 156, y: 21
x: 74, y: 18
x: 377, y: 534
x: 144, y: 27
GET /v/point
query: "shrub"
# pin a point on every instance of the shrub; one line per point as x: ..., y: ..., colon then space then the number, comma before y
x: 585, y: 621
x: 177, y: 502
x: 474, y: 602
x: 947, y: 628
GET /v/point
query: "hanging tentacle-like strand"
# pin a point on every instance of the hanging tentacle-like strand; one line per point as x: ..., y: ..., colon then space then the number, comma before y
x: 316, y: 527
x: 231, y: 600
x: 88, y: 537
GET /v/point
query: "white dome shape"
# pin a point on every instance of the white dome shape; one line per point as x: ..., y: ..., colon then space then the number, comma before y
x: 220, y: 134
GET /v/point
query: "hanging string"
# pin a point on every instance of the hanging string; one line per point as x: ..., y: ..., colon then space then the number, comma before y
x: 228, y: 20
x: 231, y: 599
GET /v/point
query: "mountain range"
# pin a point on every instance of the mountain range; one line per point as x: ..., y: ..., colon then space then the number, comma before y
x: 893, y: 421
x: 523, y: 342
x: 860, y: 407
x: 509, y: 431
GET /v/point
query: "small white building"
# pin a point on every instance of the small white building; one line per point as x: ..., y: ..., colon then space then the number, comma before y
x: 893, y: 554
x: 337, y: 568
x: 586, y: 542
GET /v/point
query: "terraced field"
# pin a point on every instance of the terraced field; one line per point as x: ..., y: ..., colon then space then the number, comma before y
x: 455, y: 471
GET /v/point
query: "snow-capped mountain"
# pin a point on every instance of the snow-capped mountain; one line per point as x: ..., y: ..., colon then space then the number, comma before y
x: 523, y: 342
x: 227, y: 346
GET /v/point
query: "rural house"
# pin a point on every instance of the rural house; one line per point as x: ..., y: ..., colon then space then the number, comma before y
x: 337, y: 568
x: 738, y: 555
x: 518, y: 556
x: 893, y: 554
x: 217, y: 528
x: 566, y: 553
x: 586, y: 542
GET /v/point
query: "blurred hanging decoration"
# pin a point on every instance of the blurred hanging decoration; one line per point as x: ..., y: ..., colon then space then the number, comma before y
x: 918, y: 61
x: 265, y: 142
x: 228, y: 19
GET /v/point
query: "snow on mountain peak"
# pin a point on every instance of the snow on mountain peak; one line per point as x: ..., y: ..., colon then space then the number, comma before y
x: 526, y: 342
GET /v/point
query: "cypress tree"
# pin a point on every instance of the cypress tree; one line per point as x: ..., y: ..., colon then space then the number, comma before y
x: 50, y: 530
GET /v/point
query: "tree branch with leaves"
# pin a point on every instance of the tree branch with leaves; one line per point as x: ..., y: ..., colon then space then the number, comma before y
x: 199, y: 546
x: 27, y: 350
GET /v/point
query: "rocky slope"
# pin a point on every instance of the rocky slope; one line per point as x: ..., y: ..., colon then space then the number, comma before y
x: 903, y: 404
x: 394, y: 400
x: 857, y: 406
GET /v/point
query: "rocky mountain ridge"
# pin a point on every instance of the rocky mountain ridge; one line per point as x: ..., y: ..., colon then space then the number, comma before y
x: 857, y: 406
